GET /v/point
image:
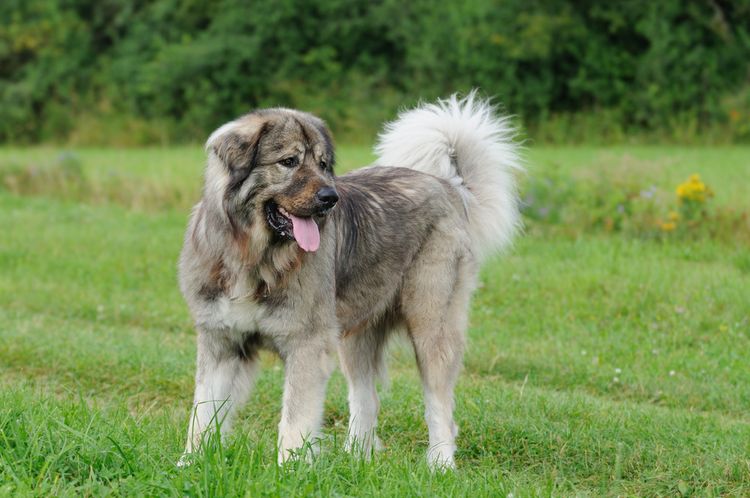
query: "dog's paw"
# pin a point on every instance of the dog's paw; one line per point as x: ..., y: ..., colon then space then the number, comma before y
x: 364, y: 447
x: 293, y: 456
x: 440, y: 459
x: 441, y: 466
x: 186, y: 460
x: 307, y: 452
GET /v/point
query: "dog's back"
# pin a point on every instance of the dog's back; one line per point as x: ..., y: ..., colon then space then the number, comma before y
x: 384, y: 217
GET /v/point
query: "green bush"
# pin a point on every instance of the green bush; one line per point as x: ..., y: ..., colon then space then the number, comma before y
x: 581, y: 71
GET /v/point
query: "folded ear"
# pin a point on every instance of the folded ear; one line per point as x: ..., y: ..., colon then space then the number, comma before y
x: 237, y: 143
x: 322, y: 128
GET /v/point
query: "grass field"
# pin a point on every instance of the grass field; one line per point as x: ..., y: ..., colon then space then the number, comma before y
x: 598, y: 364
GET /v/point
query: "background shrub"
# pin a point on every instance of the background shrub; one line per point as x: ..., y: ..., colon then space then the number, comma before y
x: 171, y: 70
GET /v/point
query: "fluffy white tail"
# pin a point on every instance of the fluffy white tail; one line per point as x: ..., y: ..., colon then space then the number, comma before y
x: 465, y: 142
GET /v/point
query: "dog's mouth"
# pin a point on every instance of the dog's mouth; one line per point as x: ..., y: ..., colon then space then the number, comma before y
x: 288, y: 226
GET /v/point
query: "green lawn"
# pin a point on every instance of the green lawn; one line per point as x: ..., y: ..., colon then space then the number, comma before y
x: 597, y: 364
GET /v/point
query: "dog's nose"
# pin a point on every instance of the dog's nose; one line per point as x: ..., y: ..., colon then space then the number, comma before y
x: 327, y: 197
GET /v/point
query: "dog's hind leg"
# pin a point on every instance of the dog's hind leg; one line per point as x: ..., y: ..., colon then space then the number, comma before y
x: 360, y: 354
x: 223, y: 382
x: 436, y: 297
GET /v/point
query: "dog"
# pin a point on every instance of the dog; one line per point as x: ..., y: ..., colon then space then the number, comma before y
x: 281, y: 254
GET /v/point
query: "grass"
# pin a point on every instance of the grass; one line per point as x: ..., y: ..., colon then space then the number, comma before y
x: 141, y: 178
x: 597, y: 365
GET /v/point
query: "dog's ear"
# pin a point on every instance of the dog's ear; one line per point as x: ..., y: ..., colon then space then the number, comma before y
x: 322, y: 128
x: 237, y: 144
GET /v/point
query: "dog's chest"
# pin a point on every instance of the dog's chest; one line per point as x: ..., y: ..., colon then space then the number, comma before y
x: 236, y: 312
x: 240, y: 314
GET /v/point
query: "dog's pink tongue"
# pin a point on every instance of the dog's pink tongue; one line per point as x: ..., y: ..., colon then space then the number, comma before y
x: 305, y: 233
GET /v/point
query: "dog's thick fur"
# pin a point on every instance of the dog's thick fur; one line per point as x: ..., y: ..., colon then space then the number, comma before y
x: 400, y: 249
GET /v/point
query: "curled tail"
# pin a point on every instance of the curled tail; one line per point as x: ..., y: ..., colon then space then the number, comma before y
x: 465, y: 142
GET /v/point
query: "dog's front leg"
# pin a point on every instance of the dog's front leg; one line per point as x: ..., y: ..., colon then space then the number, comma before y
x: 223, y: 381
x: 307, y: 371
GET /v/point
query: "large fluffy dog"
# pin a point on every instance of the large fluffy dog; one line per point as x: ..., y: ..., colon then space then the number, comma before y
x: 281, y: 254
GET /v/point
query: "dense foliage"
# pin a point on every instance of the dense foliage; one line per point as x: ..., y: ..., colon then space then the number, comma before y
x: 137, y: 71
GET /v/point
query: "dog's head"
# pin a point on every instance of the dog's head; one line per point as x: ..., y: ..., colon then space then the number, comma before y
x: 273, y: 168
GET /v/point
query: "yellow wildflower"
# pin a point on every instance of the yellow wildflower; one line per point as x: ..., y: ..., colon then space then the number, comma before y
x: 674, y: 216
x: 668, y: 226
x: 693, y: 190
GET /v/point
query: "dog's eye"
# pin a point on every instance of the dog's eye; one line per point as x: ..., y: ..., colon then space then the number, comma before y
x: 289, y: 162
x: 323, y: 164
